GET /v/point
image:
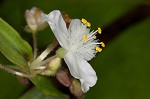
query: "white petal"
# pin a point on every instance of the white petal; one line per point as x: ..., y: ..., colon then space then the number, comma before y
x: 71, y: 62
x: 82, y: 70
x: 77, y: 26
x: 87, y: 74
x: 58, y: 26
x: 77, y: 30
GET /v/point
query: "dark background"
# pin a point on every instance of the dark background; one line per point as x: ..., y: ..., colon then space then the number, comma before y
x: 123, y: 67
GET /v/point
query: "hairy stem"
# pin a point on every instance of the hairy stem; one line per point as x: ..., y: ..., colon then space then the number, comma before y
x: 11, y: 71
x: 34, y: 45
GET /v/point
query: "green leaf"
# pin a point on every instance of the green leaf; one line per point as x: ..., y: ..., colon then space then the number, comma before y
x: 37, y: 94
x: 10, y: 88
x: 46, y: 86
x: 4, y: 60
x: 12, y: 46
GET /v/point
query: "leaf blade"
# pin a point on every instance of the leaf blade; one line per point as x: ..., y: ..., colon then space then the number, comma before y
x: 46, y: 86
x: 12, y: 46
x: 36, y: 94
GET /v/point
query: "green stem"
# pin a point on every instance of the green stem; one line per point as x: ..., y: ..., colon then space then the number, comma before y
x: 11, y: 71
x: 34, y: 45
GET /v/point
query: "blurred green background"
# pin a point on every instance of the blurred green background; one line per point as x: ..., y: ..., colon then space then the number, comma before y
x: 123, y: 67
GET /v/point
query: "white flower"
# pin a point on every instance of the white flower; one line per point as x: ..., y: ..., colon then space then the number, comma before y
x: 80, y: 45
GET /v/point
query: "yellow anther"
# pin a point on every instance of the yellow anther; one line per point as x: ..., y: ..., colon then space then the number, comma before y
x: 102, y: 44
x: 94, y: 37
x: 88, y: 24
x: 99, y: 30
x: 84, y: 38
x: 84, y: 21
x: 98, y: 49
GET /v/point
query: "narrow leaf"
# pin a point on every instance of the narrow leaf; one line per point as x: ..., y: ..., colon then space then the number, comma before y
x: 37, y: 94
x: 12, y: 46
x: 46, y: 86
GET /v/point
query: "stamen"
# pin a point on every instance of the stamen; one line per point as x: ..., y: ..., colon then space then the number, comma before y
x: 99, y: 30
x: 96, y: 43
x: 92, y: 33
x: 84, y: 38
x: 98, y: 49
x: 91, y: 38
x: 84, y: 21
x: 88, y: 24
x: 102, y: 44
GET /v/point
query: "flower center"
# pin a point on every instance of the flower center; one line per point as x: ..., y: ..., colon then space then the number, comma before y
x: 88, y: 45
x: 92, y: 35
x: 85, y: 38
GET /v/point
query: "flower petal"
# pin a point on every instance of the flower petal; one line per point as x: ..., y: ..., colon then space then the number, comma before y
x: 87, y: 74
x: 70, y: 60
x: 58, y: 26
x: 76, y: 26
x: 77, y: 30
x: 82, y: 70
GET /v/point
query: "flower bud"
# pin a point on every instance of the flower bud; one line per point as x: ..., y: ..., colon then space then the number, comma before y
x: 48, y: 73
x: 63, y: 77
x: 53, y: 66
x: 34, y: 20
x: 23, y: 80
x: 67, y: 19
x: 75, y: 89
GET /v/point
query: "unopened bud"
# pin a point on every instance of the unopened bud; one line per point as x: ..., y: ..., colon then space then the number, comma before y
x: 48, y: 73
x: 63, y: 77
x: 23, y: 80
x: 34, y: 20
x: 75, y: 89
x: 53, y: 66
x: 67, y: 19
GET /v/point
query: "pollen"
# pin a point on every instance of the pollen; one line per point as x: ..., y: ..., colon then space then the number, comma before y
x: 88, y: 24
x: 84, y: 38
x: 84, y: 21
x: 98, y: 49
x: 99, y: 30
x: 102, y: 44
